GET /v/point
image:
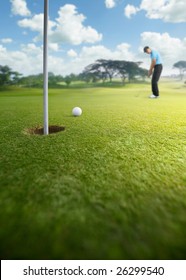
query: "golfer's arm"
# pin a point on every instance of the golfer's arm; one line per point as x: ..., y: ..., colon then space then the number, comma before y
x: 153, y: 63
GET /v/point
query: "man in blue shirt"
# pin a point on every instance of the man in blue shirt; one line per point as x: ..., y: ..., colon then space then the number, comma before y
x: 155, y: 70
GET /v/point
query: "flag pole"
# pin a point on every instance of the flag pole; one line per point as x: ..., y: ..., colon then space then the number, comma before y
x: 45, y: 67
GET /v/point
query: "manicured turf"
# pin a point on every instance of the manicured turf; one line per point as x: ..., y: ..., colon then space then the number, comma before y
x: 111, y: 186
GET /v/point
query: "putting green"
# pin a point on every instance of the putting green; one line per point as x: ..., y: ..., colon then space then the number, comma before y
x: 112, y: 185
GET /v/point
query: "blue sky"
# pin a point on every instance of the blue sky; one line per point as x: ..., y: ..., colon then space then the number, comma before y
x: 81, y: 31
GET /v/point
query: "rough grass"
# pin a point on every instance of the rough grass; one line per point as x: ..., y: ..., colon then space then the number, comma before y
x: 112, y: 185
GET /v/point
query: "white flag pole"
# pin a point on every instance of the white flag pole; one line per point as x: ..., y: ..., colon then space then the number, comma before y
x: 45, y: 67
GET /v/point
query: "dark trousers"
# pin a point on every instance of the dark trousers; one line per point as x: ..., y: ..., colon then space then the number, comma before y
x: 155, y: 78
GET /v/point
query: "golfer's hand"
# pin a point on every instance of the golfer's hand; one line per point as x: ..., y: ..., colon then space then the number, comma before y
x: 149, y: 73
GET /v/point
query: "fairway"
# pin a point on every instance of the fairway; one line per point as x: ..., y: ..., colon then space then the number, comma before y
x: 112, y: 185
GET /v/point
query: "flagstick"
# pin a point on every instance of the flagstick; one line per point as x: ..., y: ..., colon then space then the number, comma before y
x: 45, y: 67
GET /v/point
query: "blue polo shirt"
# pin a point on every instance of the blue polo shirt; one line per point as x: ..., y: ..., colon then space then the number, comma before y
x: 155, y: 55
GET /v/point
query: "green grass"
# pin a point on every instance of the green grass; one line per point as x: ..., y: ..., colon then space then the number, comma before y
x: 111, y: 186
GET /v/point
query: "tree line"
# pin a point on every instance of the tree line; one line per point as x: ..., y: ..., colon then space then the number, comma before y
x: 105, y: 70
x: 101, y: 70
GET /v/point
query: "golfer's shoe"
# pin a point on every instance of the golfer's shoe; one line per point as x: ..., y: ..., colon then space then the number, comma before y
x: 153, y: 96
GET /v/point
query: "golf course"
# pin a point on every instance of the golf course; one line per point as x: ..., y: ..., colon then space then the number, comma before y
x: 110, y: 185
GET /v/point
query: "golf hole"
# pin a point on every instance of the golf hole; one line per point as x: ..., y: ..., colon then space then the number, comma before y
x: 40, y: 130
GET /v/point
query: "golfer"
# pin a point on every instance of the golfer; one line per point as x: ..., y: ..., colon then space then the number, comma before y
x: 155, y: 70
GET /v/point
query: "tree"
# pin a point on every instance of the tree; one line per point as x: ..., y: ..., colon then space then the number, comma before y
x: 127, y: 69
x: 6, y: 75
x: 102, y: 69
x: 70, y: 78
x: 88, y: 77
x: 16, y: 77
x: 181, y: 65
x: 107, y: 69
x: 132, y: 70
x: 143, y: 73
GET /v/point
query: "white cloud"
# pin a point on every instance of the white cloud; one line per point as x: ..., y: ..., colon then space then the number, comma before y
x: 54, y: 47
x: 72, y: 53
x: 6, y: 40
x: 110, y: 4
x: 2, y: 51
x: 21, y: 61
x: 101, y: 52
x: 89, y: 55
x: 130, y: 10
x: 167, y: 10
x: 24, y: 61
x: 123, y: 52
x: 19, y: 7
x: 68, y: 27
x: 35, y: 23
x: 31, y: 49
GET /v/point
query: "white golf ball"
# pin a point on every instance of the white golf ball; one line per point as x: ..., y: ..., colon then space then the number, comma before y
x: 76, y: 111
